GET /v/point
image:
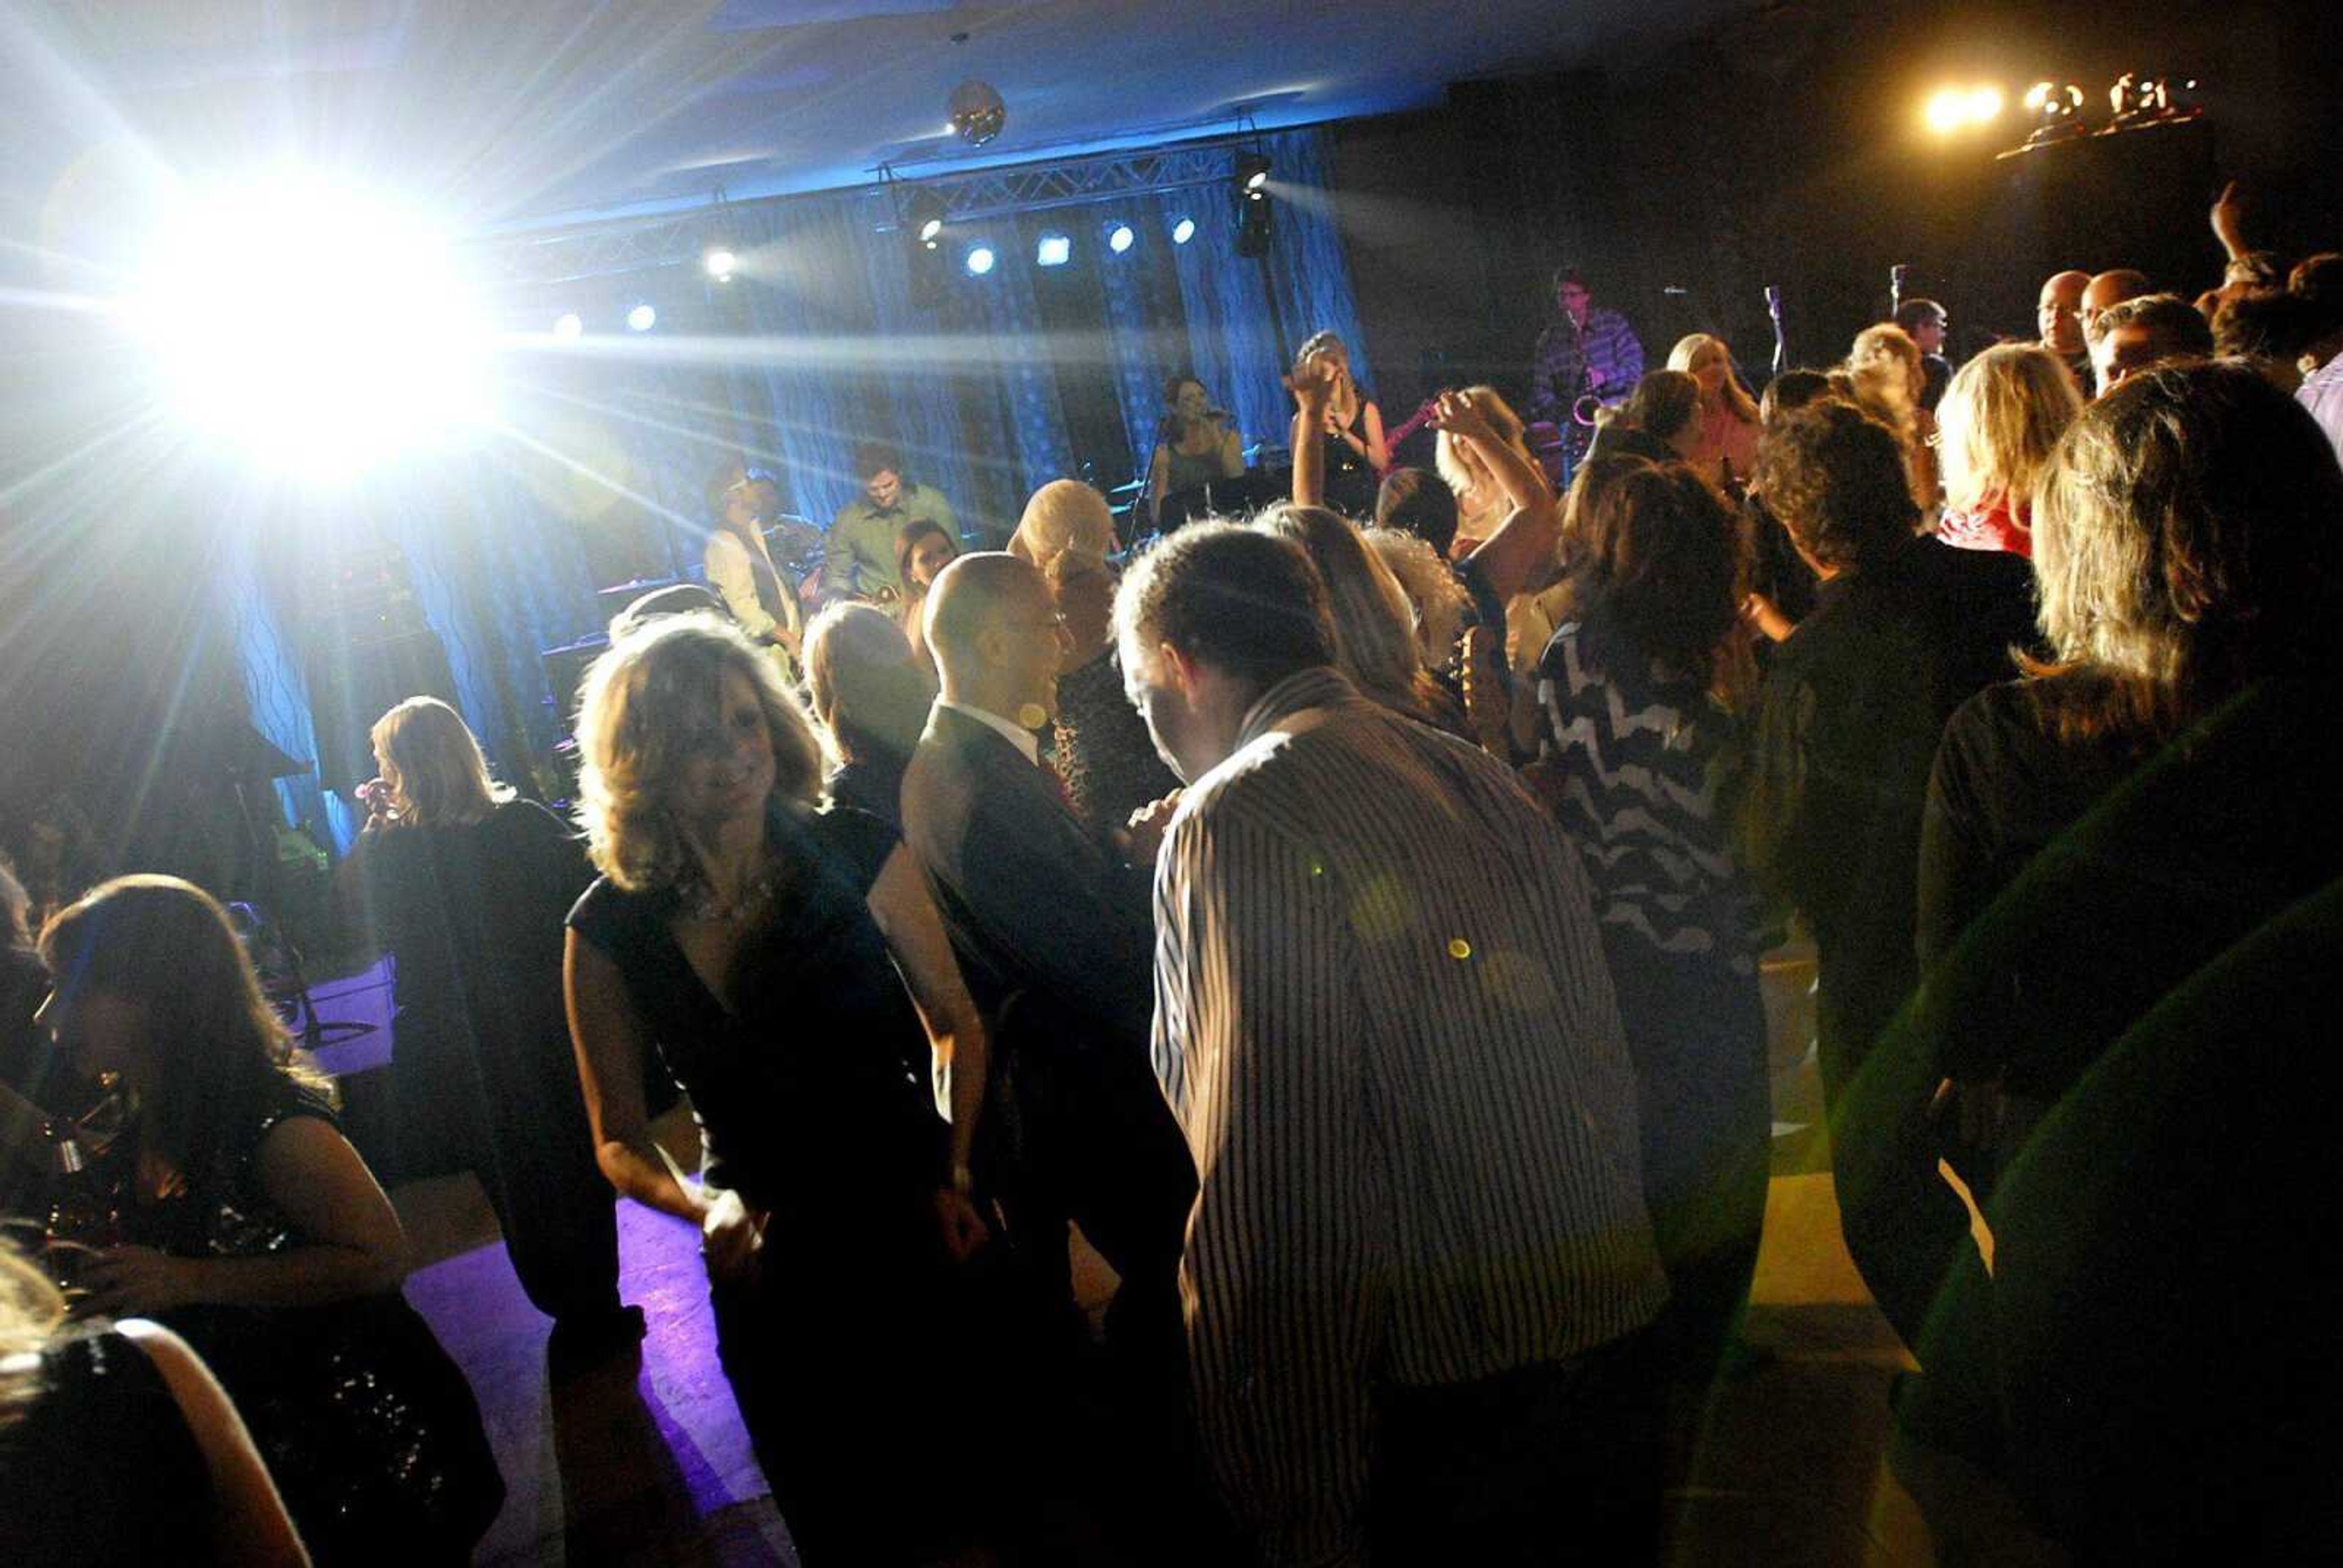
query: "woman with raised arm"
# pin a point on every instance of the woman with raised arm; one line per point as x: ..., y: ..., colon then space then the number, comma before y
x: 788, y: 966
x: 1351, y: 432
x: 251, y: 1227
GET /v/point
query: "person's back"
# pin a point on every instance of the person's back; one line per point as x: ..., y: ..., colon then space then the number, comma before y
x: 1856, y: 700
x: 1472, y: 986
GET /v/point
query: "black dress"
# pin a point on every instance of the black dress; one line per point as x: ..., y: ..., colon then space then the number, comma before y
x: 98, y: 1466
x: 1103, y: 748
x: 811, y: 1101
x: 368, y: 1428
x: 485, y: 1075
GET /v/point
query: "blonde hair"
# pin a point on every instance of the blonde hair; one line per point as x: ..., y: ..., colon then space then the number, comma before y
x: 2001, y: 416
x: 1435, y: 595
x: 1327, y: 346
x: 645, y: 704
x: 1885, y: 365
x: 31, y: 1311
x: 1456, y: 463
x: 1374, y: 631
x: 439, y: 777
x: 1064, y: 516
x: 1691, y: 350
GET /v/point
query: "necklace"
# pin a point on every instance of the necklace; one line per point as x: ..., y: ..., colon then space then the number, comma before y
x: 701, y: 903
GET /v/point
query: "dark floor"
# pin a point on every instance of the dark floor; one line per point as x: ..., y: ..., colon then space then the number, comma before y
x: 647, y: 1463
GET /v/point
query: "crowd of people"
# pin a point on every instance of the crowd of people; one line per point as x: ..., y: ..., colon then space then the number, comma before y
x: 1349, y: 918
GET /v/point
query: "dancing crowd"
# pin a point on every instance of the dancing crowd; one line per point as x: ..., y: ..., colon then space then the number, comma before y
x: 1348, y: 917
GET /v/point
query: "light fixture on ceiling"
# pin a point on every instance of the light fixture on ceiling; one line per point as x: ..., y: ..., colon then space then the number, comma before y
x: 1054, y: 250
x: 1254, y: 219
x: 1119, y: 238
x: 1183, y: 231
x: 722, y: 262
x: 569, y: 323
x: 978, y: 260
x: 642, y: 317
x: 978, y: 112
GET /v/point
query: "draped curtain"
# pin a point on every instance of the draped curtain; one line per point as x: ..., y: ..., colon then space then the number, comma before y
x: 595, y: 473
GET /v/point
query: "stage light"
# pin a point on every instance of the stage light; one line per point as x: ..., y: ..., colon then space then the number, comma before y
x: 978, y: 260
x: 925, y: 218
x: 308, y: 326
x: 720, y: 263
x: 1054, y: 250
x: 1183, y: 231
x: 1119, y: 238
x: 1947, y: 111
x: 641, y: 318
x: 2057, y: 110
x: 569, y: 323
x: 1984, y: 103
x: 1252, y: 171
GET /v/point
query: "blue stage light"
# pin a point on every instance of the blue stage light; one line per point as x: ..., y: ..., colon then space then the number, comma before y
x: 980, y: 260
x: 1183, y: 231
x: 1055, y: 250
x: 569, y: 324
x: 1119, y: 238
x: 642, y: 318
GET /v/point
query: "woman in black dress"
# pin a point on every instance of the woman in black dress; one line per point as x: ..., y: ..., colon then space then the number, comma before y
x: 763, y: 947
x: 469, y: 888
x: 253, y: 1229
x: 1355, y: 456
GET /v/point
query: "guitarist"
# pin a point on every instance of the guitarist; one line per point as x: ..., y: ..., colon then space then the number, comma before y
x: 1586, y: 352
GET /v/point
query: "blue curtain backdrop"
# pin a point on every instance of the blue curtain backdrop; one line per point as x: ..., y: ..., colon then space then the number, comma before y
x: 597, y: 471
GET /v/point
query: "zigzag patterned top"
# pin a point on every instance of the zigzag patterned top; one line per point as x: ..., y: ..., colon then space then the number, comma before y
x: 1631, y: 764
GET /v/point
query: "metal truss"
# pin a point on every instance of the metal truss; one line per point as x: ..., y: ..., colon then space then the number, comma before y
x: 1038, y: 187
x: 604, y: 250
x: 641, y: 244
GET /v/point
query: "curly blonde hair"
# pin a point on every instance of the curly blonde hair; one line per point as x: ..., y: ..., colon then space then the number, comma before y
x: 1435, y: 595
x: 645, y: 704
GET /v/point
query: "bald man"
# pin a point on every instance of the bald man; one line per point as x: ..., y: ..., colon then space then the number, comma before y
x: 1057, y: 937
x: 2111, y: 288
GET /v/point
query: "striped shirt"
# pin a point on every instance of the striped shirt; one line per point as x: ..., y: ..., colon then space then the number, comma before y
x: 1630, y: 765
x: 1605, y: 359
x: 1384, y: 1019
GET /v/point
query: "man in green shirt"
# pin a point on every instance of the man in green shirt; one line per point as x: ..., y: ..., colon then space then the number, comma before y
x: 861, y: 554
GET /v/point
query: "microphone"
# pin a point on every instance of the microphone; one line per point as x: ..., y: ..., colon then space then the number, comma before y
x: 1676, y: 290
x: 1772, y: 296
x: 1897, y: 276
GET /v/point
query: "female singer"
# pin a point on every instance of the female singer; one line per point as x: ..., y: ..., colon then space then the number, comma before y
x: 1727, y: 449
x: 1357, y: 455
x: 1194, y: 445
x: 764, y: 947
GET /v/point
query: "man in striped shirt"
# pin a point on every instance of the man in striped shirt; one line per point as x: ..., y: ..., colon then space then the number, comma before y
x: 1418, y: 1268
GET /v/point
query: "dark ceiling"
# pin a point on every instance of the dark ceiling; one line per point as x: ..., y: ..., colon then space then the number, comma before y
x: 524, y: 111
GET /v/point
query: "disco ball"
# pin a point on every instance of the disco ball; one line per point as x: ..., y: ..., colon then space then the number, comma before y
x: 977, y: 112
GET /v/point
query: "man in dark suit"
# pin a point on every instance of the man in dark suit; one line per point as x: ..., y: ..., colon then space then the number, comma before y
x: 1055, y: 935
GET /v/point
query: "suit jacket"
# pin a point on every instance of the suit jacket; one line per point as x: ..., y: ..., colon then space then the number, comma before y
x: 1037, y: 908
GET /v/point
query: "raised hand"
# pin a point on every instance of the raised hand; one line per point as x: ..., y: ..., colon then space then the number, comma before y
x: 1312, y: 385
x: 2228, y: 218
x: 1461, y: 414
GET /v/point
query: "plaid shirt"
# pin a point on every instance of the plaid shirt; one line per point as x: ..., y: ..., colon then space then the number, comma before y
x: 1610, y: 351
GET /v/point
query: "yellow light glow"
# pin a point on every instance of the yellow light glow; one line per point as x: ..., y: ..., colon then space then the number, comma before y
x: 1985, y: 102
x: 2038, y: 95
x: 1947, y: 111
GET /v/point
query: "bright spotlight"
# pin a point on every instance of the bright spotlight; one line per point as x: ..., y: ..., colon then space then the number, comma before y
x: 2038, y: 95
x: 980, y: 260
x: 1183, y: 231
x: 1252, y: 171
x: 1985, y: 102
x: 1947, y: 111
x: 569, y: 323
x: 721, y: 264
x: 1055, y: 250
x: 930, y: 230
x: 1119, y: 238
x: 314, y: 329
x: 641, y: 318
